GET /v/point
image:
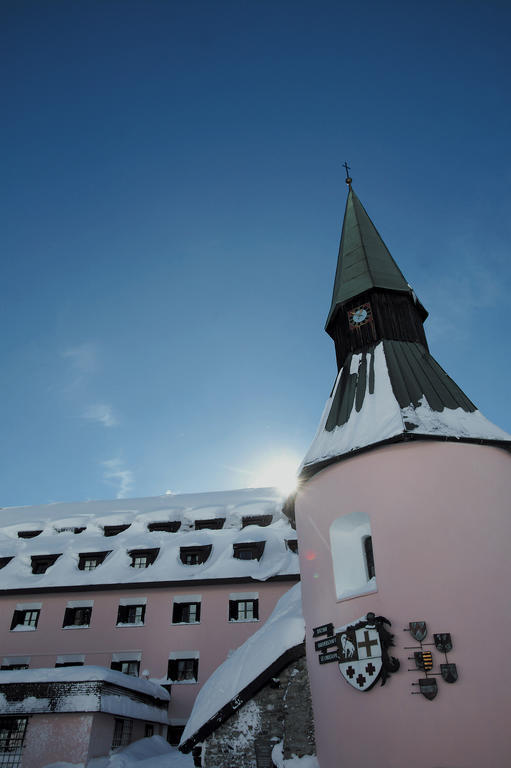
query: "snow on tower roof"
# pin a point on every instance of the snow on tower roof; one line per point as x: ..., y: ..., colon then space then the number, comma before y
x: 159, y: 528
x: 394, y: 390
x: 262, y: 656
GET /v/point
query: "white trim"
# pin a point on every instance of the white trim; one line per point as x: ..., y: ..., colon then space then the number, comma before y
x: 244, y: 596
x: 65, y: 657
x: 15, y: 660
x: 133, y: 601
x: 127, y: 656
x: 80, y: 604
x: 187, y: 599
x: 184, y: 655
x: 29, y: 606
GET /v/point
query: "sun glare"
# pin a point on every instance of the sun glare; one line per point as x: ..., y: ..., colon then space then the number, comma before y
x: 278, y: 472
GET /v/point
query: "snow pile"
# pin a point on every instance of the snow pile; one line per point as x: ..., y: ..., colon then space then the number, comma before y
x: 57, y: 523
x: 381, y: 418
x: 307, y: 761
x: 154, y: 752
x: 283, y: 630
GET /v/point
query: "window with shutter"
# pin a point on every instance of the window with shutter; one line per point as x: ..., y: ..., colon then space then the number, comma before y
x: 25, y: 619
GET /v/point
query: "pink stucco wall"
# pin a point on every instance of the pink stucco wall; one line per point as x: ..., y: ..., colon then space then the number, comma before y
x: 214, y: 636
x: 57, y: 737
x: 441, y: 527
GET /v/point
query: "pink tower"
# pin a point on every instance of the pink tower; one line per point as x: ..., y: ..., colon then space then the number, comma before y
x: 404, y: 525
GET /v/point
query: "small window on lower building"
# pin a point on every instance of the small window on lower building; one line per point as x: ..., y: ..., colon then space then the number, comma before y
x: 25, y: 619
x: 70, y: 660
x: 15, y: 662
x: 148, y: 730
x: 186, y: 613
x: 123, y: 728
x: 12, y: 735
x: 131, y: 614
x: 243, y: 610
x: 183, y: 668
x: 77, y: 616
x: 127, y: 667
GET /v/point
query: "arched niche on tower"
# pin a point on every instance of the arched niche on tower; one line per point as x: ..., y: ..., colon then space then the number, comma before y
x: 352, y: 556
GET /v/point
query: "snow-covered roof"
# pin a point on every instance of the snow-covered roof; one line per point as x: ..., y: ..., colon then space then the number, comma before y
x: 82, y: 689
x: 73, y: 529
x: 84, y: 674
x: 394, y: 390
x: 248, y: 668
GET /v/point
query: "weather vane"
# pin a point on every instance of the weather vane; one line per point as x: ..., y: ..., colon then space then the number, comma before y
x: 348, y: 177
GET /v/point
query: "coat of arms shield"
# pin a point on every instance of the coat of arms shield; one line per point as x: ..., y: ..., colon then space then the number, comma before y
x: 360, y: 656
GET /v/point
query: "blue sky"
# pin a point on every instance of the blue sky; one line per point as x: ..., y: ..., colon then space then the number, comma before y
x: 172, y: 198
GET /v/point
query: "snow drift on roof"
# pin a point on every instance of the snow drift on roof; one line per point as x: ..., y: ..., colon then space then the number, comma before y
x: 284, y: 629
x: 395, y: 389
x: 137, y: 514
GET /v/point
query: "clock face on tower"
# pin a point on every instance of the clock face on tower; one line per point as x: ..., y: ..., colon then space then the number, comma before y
x: 360, y: 315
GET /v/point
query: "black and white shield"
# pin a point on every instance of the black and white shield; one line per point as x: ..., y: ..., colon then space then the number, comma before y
x: 428, y: 687
x: 418, y: 630
x: 449, y: 672
x: 360, y: 655
x: 443, y: 641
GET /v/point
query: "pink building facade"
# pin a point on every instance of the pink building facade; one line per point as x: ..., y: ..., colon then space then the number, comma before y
x: 161, y: 589
x: 403, y: 515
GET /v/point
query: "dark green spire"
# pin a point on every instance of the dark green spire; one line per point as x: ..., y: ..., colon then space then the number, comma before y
x: 364, y: 260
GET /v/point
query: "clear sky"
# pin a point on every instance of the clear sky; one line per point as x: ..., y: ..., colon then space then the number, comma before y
x: 172, y: 199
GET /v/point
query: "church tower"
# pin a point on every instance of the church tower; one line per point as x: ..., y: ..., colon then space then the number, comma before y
x: 403, y: 518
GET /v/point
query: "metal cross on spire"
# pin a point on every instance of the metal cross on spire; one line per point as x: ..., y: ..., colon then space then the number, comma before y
x: 348, y: 177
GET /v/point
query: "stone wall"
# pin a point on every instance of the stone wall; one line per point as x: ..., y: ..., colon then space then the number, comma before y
x: 281, y: 711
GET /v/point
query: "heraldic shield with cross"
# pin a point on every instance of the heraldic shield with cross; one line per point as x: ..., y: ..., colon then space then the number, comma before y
x: 362, y: 652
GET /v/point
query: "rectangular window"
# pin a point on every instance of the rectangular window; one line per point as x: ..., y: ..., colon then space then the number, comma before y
x: 12, y: 734
x: 186, y: 613
x: 127, y: 667
x: 13, y: 666
x: 131, y: 614
x: 25, y: 619
x: 195, y: 555
x: 148, y: 730
x: 77, y: 617
x: 252, y: 550
x: 183, y: 669
x: 69, y: 664
x: 123, y: 729
x: 244, y: 610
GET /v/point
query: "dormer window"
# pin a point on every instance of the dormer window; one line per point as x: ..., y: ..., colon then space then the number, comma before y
x: 28, y: 534
x: 171, y: 526
x: 292, y: 545
x: 5, y: 561
x: 88, y: 561
x: 214, y: 524
x: 143, y: 558
x: 71, y: 529
x: 195, y: 555
x: 262, y: 520
x: 252, y: 550
x: 41, y: 563
x: 113, y: 530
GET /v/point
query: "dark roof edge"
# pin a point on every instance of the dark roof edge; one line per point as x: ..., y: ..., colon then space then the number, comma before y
x: 148, y: 585
x: 312, y: 469
x: 292, y: 654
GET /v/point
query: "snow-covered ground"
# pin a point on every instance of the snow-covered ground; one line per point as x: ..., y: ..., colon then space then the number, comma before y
x: 157, y: 753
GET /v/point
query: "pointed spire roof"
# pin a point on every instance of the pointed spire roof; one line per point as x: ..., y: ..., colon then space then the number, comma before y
x: 364, y: 260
